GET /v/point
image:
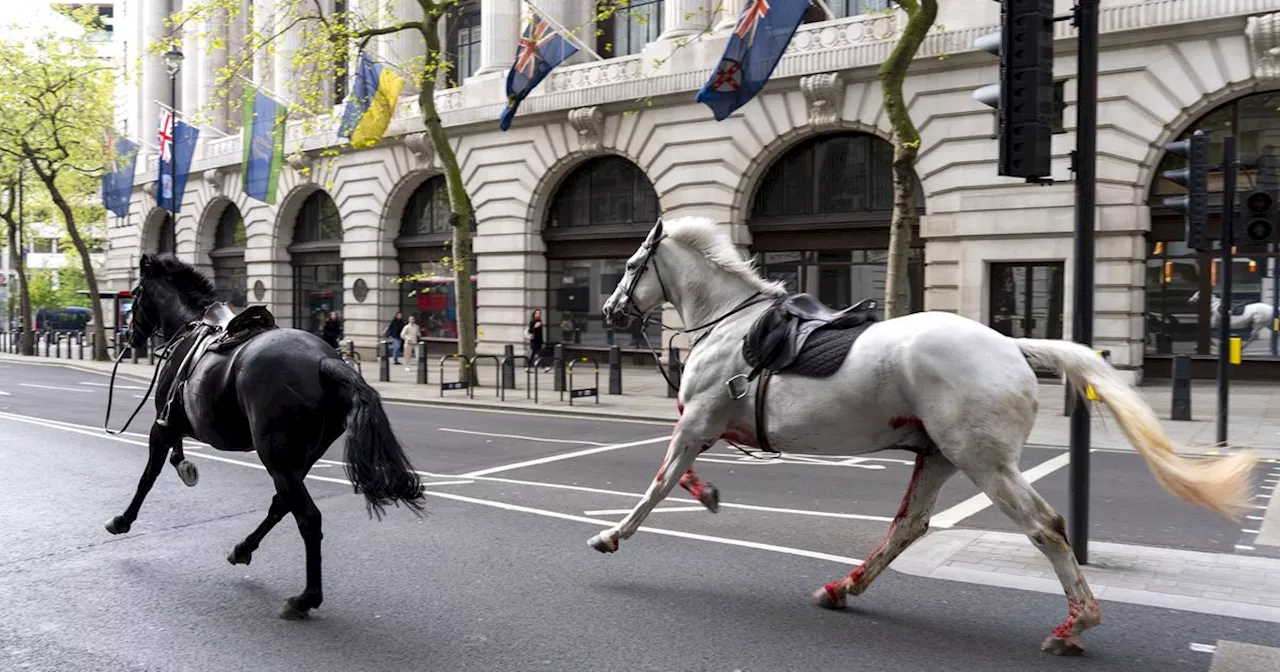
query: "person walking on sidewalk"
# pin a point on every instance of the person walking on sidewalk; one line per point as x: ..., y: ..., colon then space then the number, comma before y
x: 393, y: 333
x: 331, y: 331
x: 536, y: 333
x: 409, y: 337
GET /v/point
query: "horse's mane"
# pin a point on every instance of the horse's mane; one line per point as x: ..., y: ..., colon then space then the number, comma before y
x: 704, y: 236
x: 195, y: 289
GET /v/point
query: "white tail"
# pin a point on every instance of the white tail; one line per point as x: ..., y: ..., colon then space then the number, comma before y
x: 1221, y: 485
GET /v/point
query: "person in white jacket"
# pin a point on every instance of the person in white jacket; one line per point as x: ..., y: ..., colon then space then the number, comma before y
x: 410, y: 335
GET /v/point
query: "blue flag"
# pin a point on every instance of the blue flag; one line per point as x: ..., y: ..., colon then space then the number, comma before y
x: 264, y: 120
x: 177, y: 145
x: 541, y: 49
x: 764, y: 29
x: 117, y: 184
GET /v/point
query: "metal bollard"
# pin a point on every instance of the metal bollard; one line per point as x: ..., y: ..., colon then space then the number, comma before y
x: 1181, y: 388
x: 558, y: 378
x: 384, y: 361
x: 673, y: 373
x: 615, y: 370
x: 80, y: 341
x: 151, y: 352
x: 508, y: 367
x: 422, y: 362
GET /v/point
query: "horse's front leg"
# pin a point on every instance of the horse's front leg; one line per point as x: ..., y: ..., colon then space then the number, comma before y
x: 689, y: 440
x: 186, y: 468
x: 158, y: 446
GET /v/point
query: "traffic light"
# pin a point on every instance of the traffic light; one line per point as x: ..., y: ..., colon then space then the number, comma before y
x: 1259, y: 217
x: 1024, y: 96
x: 1195, y: 177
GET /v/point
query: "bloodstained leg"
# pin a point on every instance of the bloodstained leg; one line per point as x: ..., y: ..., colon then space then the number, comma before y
x: 706, y: 493
x: 932, y: 470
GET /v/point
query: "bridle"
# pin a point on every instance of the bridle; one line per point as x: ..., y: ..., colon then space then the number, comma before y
x: 163, y: 355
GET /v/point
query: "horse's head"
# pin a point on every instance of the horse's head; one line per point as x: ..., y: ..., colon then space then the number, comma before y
x: 641, y: 288
x: 169, y: 294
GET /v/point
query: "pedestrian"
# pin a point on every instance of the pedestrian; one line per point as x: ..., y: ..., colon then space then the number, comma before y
x: 409, y: 337
x: 331, y: 332
x: 535, y: 334
x: 393, y: 332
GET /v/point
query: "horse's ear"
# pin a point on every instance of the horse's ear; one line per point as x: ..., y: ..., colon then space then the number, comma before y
x: 655, y: 234
x: 144, y: 264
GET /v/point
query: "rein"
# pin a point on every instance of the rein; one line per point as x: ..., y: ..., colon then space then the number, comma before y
x: 166, y: 350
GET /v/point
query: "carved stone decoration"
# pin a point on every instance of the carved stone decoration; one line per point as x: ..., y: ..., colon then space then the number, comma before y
x: 259, y: 290
x: 360, y: 290
x: 589, y: 122
x: 420, y: 145
x: 824, y: 92
x: 214, y: 178
x: 149, y: 189
x: 303, y: 164
x: 1263, y: 35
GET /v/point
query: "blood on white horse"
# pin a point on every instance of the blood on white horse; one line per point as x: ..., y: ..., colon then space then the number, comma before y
x: 958, y: 394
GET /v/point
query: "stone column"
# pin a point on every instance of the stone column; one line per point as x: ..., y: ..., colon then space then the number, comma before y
x: 155, y: 81
x: 264, y: 64
x: 193, y: 73
x: 213, y: 102
x: 499, y: 33
x: 729, y: 12
x: 405, y: 49
x: 684, y: 18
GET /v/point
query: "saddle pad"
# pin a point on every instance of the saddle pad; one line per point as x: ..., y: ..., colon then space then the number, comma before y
x: 825, y: 351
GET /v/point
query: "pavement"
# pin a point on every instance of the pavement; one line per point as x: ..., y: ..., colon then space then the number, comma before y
x: 498, y: 575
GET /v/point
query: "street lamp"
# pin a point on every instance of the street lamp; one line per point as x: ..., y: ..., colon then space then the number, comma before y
x: 172, y: 64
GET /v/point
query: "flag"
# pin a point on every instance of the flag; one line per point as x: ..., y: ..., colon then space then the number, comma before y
x: 117, y: 183
x: 263, y: 145
x: 177, y: 148
x: 372, y: 102
x: 540, y: 50
x: 764, y: 29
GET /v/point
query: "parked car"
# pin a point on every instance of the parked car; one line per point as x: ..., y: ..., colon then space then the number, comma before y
x: 68, y: 319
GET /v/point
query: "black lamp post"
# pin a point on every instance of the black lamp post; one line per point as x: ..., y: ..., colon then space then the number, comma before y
x: 172, y: 64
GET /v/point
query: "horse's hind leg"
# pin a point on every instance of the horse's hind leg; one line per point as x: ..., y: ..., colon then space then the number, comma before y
x: 931, y: 472
x: 157, y: 448
x: 1015, y: 497
x: 242, y: 554
x: 295, y: 496
x: 186, y: 468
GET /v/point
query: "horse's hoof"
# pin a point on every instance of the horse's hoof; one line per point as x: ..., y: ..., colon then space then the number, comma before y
x: 188, y: 473
x: 603, y: 543
x: 291, y: 612
x: 118, y: 525
x: 237, y: 556
x: 828, y: 598
x: 710, y: 497
x: 1063, y: 646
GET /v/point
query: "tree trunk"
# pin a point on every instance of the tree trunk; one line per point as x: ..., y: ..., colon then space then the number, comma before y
x: 460, y: 217
x: 906, y: 145
x: 26, y: 345
x: 100, y: 333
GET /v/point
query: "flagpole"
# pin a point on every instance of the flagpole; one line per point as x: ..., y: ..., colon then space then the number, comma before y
x: 823, y: 6
x: 187, y: 119
x: 269, y: 92
x: 564, y: 32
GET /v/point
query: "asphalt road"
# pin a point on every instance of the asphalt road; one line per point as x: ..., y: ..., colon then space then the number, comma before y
x: 498, y: 576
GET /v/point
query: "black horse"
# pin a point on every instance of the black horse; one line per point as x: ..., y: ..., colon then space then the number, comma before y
x: 242, y: 384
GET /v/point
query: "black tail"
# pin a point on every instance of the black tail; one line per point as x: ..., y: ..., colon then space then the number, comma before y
x: 376, y: 463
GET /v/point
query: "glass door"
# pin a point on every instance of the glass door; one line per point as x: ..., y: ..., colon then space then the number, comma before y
x: 1026, y: 299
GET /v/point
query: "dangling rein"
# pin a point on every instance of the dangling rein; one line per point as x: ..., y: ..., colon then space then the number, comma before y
x: 111, y: 388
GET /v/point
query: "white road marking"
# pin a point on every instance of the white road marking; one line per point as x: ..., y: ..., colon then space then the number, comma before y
x: 1255, y: 517
x: 532, y: 414
x: 952, y: 516
x: 458, y: 482
x: 1203, y: 648
x: 563, y: 456
x: 118, y: 386
x: 5, y: 394
x: 1251, y: 531
x: 522, y: 438
x: 660, y: 509
x: 844, y: 560
x: 1242, y: 547
x: 54, y: 387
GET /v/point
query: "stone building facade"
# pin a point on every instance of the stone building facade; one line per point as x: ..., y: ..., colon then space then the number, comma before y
x: 799, y: 176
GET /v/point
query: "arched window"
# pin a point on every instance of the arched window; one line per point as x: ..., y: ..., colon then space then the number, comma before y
x: 167, y: 241
x: 427, y: 292
x: 1175, y: 272
x: 599, y: 215
x: 230, y: 272
x: 820, y: 220
x: 317, y: 262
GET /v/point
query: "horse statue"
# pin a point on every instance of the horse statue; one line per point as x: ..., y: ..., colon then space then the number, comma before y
x: 956, y: 393
x: 1254, y: 317
x: 239, y: 383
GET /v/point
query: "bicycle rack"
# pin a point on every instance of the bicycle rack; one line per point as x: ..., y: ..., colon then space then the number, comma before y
x: 529, y: 372
x: 497, y: 371
x: 462, y: 384
x: 585, y: 391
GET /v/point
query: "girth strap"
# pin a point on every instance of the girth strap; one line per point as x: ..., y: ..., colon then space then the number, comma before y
x: 762, y: 433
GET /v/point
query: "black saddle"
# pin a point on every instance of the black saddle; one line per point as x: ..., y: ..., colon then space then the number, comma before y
x: 251, y: 322
x: 1238, y: 309
x: 798, y: 334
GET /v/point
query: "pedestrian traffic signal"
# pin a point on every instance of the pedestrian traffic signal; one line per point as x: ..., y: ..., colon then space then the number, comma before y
x: 1024, y: 96
x: 1194, y: 206
x: 1259, y: 217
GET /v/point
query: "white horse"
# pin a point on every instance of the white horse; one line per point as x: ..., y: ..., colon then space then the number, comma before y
x: 955, y: 392
x: 1256, y: 317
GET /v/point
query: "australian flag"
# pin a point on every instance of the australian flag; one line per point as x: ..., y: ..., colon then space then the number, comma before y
x: 764, y: 29
x: 541, y: 49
